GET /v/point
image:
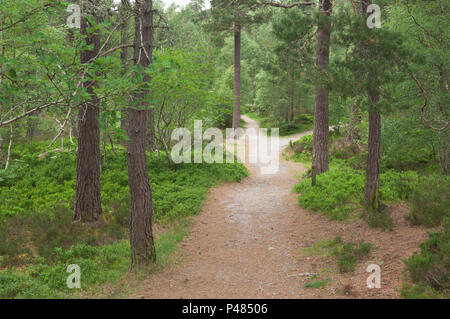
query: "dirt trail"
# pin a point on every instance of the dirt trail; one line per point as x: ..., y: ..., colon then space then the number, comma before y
x: 245, y: 244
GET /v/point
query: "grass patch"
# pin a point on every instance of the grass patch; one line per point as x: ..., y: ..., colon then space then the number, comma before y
x: 321, y: 247
x: 379, y: 219
x: 302, y: 123
x: 317, y: 283
x: 347, y: 255
x: 167, y: 244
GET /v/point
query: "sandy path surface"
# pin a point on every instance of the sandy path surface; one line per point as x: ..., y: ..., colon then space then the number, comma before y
x: 245, y: 243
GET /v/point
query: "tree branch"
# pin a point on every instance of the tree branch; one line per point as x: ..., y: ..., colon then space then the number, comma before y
x: 425, y: 96
x: 25, y: 114
x: 26, y: 16
x: 288, y: 6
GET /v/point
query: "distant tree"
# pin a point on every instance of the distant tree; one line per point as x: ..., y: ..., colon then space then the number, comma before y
x: 292, y: 62
x: 234, y: 15
x: 320, y: 158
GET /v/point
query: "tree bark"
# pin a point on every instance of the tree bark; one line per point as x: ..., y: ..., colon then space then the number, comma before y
x: 87, y: 207
x: 237, y: 76
x: 321, y: 117
x: 124, y: 56
x: 141, y: 236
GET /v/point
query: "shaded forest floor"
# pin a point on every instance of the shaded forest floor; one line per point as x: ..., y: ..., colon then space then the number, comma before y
x: 253, y: 240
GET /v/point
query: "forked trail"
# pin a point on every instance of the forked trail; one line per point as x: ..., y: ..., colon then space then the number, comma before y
x: 245, y: 243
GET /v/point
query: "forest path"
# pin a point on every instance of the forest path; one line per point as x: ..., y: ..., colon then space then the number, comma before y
x: 246, y: 240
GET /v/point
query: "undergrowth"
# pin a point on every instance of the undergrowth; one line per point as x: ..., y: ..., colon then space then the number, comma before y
x: 340, y: 190
x: 38, y: 239
x: 429, y: 269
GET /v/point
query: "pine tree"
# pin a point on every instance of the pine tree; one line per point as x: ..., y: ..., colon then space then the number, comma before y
x: 87, y: 207
x: 231, y: 15
x: 321, y: 117
x: 141, y: 234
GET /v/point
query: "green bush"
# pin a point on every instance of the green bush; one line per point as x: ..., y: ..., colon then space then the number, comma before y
x: 302, y: 148
x: 346, y: 152
x: 340, y: 190
x: 317, y: 283
x: 41, y: 185
x: 98, y: 265
x: 429, y: 201
x: 304, y: 118
x: 23, y: 239
x: 36, y: 211
x: 406, y: 143
x: 7, y: 178
x: 422, y: 292
x: 339, y: 149
x: 379, y: 219
x: 431, y: 266
x: 349, y: 254
x: 337, y: 192
x: 16, y: 285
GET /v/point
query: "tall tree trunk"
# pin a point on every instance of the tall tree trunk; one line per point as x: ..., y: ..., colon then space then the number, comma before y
x: 371, y: 189
x: 141, y: 235
x: 237, y: 76
x: 321, y: 117
x: 124, y: 56
x: 88, y: 206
